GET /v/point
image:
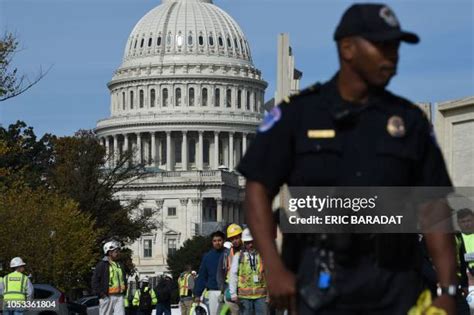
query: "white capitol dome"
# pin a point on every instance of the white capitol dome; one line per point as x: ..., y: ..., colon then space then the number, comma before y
x: 187, y: 100
x: 186, y: 31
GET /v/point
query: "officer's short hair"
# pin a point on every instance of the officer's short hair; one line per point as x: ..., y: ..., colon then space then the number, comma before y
x: 218, y: 234
x: 462, y: 213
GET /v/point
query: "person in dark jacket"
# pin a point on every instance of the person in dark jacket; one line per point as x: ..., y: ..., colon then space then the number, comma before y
x: 207, y: 273
x: 110, y: 290
x: 164, y: 294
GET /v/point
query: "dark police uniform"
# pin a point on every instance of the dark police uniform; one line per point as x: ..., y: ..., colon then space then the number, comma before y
x: 318, y: 139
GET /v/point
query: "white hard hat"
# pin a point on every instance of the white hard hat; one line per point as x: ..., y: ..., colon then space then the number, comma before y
x: 228, y: 245
x: 17, y: 262
x: 145, y: 280
x: 470, y: 299
x: 110, y: 246
x: 193, y: 272
x: 246, y: 235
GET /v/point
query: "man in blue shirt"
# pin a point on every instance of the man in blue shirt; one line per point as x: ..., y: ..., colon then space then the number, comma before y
x: 207, y: 273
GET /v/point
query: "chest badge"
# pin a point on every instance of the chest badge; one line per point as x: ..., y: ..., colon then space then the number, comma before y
x: 396, y: 127
x: 321, y: 133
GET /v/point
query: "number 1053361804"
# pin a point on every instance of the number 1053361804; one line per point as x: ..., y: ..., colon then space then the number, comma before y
x: 29, y: 305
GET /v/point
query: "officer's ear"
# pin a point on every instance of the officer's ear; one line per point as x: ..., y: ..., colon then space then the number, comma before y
x: 347, y: 48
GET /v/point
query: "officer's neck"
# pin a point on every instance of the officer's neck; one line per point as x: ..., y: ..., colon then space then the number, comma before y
x: 352, y: 88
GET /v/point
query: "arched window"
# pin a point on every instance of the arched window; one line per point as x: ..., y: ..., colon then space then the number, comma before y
x: 165, y: 97
x: 229, y: 43
x: 191, y: 96
x: 211, y: 40
x: 177, y: 97
x: 221, y: 42
x: 190, y: 39
x: 217, y: 98
x: 123, y: 100
x: 204, y: 97
x: 142, y: 42
x: 150, y: 41
x: 142, y: 99
x: 229, y: 98
x: 135, y: 45
x: 158, y: 41
x: 152, y: 97
x: 201, y: 40
x: 239, y: 99
x: 168, y: 39
x: 131, y: 99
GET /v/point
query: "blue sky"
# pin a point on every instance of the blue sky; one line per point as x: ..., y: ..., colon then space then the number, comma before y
x: 83, y: 41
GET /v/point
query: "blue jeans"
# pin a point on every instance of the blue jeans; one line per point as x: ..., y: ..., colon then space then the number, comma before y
x: 253, y: 306
x: 163, y: 309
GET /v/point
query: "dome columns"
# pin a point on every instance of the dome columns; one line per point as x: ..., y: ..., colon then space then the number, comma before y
x: 185, y: 150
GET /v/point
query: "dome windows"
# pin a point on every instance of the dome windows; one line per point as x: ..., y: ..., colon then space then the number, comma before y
x: 239, y: 99
x: 142, y: 42
x: 217, y: 97
x: 123, y: 100
x: 168, y: 39
x: 135, y: 45
x: 131, y: 99
x: 201, y: 40
x: 150, y: 41
x: 247, y: 104
x: 158, y: 41
x: 177, y: 97
x: 165, y: 97
x: 152, y: 97
x: 221, y: 41
x: 204, y: 97
x: 229, y: 43
x: 179, y: 40
x: 229, y: 98
x: 190, y: 39
x: 141, y: 98
x: 191, y: 96
x: 211, y: 40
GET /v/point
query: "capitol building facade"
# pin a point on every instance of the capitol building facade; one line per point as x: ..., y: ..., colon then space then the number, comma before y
x: 187, y: 100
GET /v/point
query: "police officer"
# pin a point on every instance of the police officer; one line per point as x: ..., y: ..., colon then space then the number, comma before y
x: 350, y: 132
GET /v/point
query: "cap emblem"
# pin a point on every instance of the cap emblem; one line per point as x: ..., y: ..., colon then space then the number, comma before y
x: 389, y: 17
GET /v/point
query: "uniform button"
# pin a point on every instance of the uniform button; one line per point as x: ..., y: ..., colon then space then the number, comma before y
x: 359, y: 174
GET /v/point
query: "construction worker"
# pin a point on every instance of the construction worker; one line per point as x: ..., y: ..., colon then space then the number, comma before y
x: 16, y: 287
x: 109, y: 281
x: 145, y: 298
x: 234, y: 238
x: 128, y: 301
x: 247, y: 279
x: 186, y: 286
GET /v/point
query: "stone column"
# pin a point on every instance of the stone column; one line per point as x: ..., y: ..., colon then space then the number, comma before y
x: 231, y: 151
x: 107, y: 151
x: 153, y: 149
x: 244, y: 143
x: 219, y: 209
x: 200, y: 149
x: 216, y: 150
x: 116, y: 150
x: 184, y: 151
x: 168, y: 150
x: 125, y: 142
x: 139, y: 148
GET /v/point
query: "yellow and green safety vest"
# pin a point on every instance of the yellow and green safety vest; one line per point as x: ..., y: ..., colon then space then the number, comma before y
x: 116, y: 279
x: 136, y: 297
x: 183, y: 282
x: 468, y: 240
x: 15, y: 287
x: 251, y: 283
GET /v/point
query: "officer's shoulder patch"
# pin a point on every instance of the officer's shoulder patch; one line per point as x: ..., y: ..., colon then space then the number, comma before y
x: 270, y: 119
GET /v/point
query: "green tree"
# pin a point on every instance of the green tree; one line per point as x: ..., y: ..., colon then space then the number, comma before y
x: 49, y: 232
x: 24, y: 157
x: 11, y: 83
x: 189, y: 254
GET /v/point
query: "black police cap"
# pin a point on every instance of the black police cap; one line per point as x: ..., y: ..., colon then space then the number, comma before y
x: 374, y: 22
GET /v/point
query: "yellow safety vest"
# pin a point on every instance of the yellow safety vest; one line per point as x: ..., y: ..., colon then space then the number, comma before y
x: 15, y: 287
x: 116, y: 279
x: 136, y: 297
x: 252, y: 284
x: 183, y: 283
x: 468, y: 240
